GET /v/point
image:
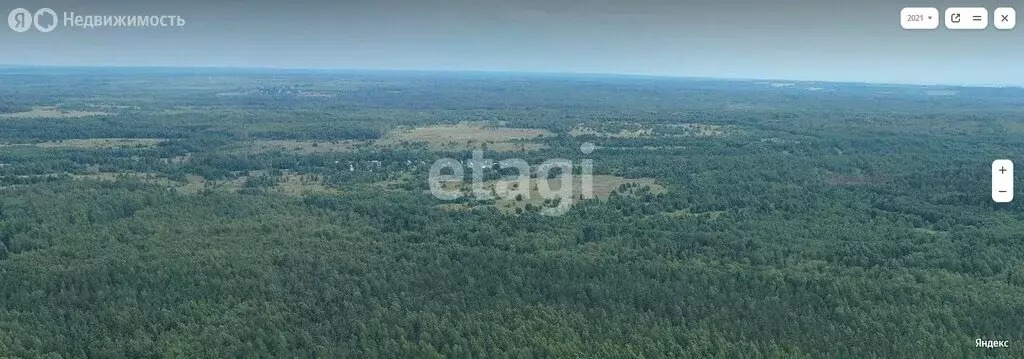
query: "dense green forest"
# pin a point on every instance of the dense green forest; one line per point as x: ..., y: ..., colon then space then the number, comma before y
x: 242, y: 213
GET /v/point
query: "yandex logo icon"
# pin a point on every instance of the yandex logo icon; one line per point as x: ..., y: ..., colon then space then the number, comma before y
x: 44, y: 20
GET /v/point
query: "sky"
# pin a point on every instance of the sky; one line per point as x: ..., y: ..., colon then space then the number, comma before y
x: 823, y: 40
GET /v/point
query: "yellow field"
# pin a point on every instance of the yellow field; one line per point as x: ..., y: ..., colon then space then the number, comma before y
x: 51, y: 112
x: 299, y: 185
x: 465, y: 136
x: 94, y: 143
x: 290, y: 184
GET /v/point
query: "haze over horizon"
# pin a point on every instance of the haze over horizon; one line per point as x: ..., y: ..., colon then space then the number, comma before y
x: 828, y: 41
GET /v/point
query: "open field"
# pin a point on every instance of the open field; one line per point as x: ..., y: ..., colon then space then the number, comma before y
x: 300, y: 185
x: 51, y: 112
x: 469, y: 136
x: 150, y: 178
x: 94, y: 143
x: 288, y: 183
x: 603, y: 186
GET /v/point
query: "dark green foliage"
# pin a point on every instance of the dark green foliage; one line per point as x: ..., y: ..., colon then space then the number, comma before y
x: 845, y: 223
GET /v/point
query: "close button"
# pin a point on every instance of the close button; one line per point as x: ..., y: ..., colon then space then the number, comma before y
x: 1004, y: 18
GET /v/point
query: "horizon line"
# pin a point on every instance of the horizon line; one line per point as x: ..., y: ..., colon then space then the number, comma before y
x: 480, y: 71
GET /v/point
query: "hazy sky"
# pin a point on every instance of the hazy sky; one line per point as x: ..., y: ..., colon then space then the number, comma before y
x: 827, y: 40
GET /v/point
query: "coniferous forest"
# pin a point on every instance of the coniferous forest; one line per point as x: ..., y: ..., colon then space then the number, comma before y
x: 246, y: 213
